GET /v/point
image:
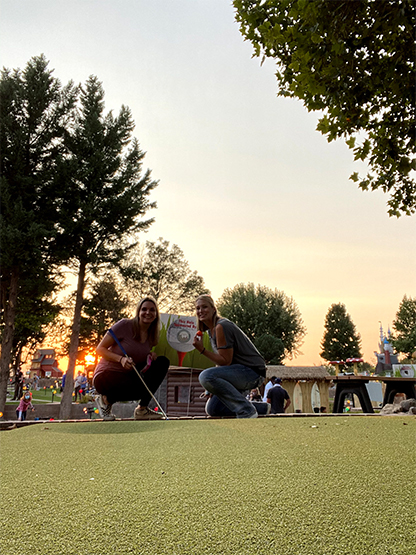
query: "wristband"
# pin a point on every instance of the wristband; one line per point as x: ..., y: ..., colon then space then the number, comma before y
x: 203, y: 350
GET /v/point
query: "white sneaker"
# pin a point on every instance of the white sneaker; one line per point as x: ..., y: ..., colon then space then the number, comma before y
x: 104, y: 409
x: 144, y: 413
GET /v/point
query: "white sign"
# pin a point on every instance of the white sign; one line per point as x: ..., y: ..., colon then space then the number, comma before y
x: 404, y: 370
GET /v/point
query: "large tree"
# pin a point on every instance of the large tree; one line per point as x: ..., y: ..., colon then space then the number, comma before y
x: 161, y: 270
x: 36, y: 311
x: 404, y: 338
x: 261, y: 312
x: 104, y: 305
x: 107, y: 194
x: 354, y: 61
x: 340, y: 340
x: 34, y: 111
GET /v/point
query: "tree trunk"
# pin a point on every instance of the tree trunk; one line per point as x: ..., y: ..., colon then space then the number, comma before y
x: 8, y: 301
x: 66, y: 401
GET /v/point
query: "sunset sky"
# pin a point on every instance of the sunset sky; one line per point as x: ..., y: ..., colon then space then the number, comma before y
x: 247, y: 188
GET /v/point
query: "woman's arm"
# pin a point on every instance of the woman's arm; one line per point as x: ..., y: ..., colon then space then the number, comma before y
x: 224, y: 357
x: 104, y: 352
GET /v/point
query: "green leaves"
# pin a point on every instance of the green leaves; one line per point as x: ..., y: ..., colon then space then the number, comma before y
x: 340, y: 340
x: 404, y: 340
x: 162, y: 271
x: 260, y: 311
x: 355, y: 60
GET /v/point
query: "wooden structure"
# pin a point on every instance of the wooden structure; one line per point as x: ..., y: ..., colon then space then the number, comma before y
x: 183, y: 392
x: 304, y: 378
x: 356, y: 385
x: 45, y: 365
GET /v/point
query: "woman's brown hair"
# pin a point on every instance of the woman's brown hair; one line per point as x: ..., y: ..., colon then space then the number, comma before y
x: 154, y: 328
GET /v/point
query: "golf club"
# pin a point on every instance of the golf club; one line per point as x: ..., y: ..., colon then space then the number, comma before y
x: 113, y: 335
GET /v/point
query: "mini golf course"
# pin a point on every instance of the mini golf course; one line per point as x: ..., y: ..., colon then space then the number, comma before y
x: 285, y: 486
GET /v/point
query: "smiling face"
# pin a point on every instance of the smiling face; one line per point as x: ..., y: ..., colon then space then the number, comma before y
x: 206, y: 311
x: 147, y: 313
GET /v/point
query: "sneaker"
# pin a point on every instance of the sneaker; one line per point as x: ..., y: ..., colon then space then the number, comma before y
x: 144, y: 413
x: 251, y: 415
x: 104, y: 409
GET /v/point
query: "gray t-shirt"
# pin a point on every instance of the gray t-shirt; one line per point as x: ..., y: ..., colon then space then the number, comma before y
x: 244, y: 352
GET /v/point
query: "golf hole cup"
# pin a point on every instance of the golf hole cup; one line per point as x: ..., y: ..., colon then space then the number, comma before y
x: 181, y: 334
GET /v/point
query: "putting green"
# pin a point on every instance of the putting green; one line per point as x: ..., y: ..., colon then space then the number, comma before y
x: 284, y: 486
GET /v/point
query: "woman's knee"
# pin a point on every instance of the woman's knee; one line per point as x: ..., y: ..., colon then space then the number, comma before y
x: 207, y: 377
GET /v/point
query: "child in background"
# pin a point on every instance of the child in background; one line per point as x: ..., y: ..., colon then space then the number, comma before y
x: 25, y: 403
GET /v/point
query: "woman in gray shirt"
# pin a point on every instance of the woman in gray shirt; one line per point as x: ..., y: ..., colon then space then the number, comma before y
x: 239, y: 365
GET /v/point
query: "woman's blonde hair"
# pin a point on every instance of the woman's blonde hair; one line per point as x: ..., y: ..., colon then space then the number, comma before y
x: 154, y: 328
x: 208, y: 299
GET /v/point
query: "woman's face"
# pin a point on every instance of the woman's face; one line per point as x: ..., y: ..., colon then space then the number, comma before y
x: 204, y: 311
x: 147, y: 313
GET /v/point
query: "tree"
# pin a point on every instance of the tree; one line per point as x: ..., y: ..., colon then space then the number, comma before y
x: 404, y: 340
x: 162, y: 272
x: 106, y: 194
x: 340, y: 340
x: 34, y: 110
x: 354, y: 60
x: 271, y: 347
x: 36, y: 310
x: 259, y: 311
x: 104, y: 306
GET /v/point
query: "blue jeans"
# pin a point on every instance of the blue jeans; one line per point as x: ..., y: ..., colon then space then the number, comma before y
x: 228, y: 383
x: 215, y: 407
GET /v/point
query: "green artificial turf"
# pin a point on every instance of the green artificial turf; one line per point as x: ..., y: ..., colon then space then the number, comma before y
x: 285, y: 486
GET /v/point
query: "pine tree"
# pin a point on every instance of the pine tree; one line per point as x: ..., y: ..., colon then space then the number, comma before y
x: 34, y: 110
x: 104, y: 306
x: 340, y: 340
x: 106, y: 196
x: 404, y: 340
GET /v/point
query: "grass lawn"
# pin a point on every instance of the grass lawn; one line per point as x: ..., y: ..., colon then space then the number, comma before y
x: 41, y: 396
x: 276, y: 486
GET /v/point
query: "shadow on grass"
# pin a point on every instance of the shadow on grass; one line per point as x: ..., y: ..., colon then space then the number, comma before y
x: 107, y: 428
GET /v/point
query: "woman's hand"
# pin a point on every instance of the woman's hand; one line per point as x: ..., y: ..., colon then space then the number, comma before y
x: 126, y: 363
x: 198, y: 343
x: 103, y: 350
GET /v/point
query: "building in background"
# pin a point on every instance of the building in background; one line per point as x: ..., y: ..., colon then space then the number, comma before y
x: 45, y: 365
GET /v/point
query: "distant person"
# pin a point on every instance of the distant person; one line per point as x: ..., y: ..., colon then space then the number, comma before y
x: 84, y: 383
x: 23, y: 406
x: 237, y: 368
x: 63, y: 382
x: 278, y: 398
x: 36, y: 382
x: 255, y: 395
x: 77, y: 387
x: 18, y: 384
x: 115, y: 378
x: 268, y: 385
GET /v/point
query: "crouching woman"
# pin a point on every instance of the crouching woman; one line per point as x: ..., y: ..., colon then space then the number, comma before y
x: 115, y: 378
x: 240, y: 367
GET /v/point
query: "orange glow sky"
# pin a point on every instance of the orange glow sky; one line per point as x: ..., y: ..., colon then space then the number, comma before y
x: 248, y: 189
